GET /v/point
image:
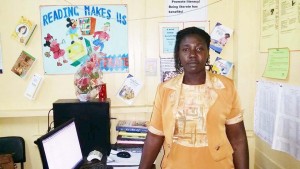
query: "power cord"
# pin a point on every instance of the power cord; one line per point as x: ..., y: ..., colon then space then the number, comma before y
x: 49, y: 124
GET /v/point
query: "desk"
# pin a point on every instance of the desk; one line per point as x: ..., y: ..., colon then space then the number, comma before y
x: 122, y: 163
x: 104, y: 159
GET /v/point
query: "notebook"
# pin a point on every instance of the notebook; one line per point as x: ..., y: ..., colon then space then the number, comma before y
x: 60, y: 148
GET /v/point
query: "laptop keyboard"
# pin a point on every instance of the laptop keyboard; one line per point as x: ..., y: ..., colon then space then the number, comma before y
x: 96, y: 166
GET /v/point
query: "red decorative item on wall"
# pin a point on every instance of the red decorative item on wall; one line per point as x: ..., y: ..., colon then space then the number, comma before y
x: 102, y: 92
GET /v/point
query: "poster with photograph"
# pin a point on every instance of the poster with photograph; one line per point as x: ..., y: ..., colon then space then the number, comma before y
x: 129, y: 89
x: 70, y: 33
x: 23, y: 30
x: 219, y: 37
x: 222, y: 66
x: 23, y: 64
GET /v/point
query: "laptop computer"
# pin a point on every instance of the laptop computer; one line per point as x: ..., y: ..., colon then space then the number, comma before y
x: 60, y: 148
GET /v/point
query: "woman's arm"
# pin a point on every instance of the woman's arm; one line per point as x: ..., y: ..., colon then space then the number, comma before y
x: 151, y: 149
x: 236, y: 134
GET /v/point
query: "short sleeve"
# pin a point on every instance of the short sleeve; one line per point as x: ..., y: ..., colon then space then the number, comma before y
x: 235, y: 119
x: 156, y: 126
x: 235, y: 115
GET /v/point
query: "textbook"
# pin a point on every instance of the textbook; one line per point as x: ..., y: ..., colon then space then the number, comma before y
x: 132, y: 126
x: 128, y: 147
x: 127, y: 138
x: 124, y: 133
x: 219, y: 37
x: 129, y: 142
x: 222, y: 66
x: 23, y: 64
x: 23, y: 30
x: 129, y: 89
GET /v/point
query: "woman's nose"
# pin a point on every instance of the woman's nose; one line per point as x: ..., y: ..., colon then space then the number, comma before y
x: 193, y: 53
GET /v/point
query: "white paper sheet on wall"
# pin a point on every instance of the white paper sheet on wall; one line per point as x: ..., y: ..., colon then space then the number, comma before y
x: 185, y: 10
x: 277, y: 116
x: 287, y: 129
x: 33, y: 86
x: 266, y: 105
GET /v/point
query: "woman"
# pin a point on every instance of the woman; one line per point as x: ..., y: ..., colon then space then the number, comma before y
x: 196, y: 115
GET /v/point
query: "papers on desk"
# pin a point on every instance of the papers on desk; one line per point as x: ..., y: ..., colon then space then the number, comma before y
x: 133, y: 161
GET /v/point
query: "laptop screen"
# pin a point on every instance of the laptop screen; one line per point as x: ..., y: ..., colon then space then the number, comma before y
x: 60, y: 147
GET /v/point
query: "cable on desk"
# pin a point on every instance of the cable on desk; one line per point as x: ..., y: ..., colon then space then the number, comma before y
x: 49, y: 124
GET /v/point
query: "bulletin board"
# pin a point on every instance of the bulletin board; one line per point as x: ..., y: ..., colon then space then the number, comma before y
x: 71, y: 33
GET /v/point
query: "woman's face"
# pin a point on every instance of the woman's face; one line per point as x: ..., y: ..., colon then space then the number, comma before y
x: 193, y: 53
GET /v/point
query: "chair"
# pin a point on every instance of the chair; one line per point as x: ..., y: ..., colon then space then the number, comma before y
x: 14, y: 145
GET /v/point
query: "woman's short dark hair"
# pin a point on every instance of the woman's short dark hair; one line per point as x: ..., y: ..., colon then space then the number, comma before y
x: 183, y: 33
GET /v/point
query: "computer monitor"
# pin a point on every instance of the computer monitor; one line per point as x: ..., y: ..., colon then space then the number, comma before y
x: 60, y: 148
x: 92, y: 120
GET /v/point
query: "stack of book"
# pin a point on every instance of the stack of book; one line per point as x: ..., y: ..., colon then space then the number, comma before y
x: 131, y: 134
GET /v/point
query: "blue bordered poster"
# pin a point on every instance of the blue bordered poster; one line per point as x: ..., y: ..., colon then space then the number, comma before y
x: 71, y: 33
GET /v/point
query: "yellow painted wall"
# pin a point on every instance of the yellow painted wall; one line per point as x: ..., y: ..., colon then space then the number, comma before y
x: 19, y: 116
x: 265, y: 157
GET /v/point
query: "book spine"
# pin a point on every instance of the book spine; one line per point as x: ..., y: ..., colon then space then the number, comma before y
x: 129, y: 142
x: 128, y: 138
x: 123, y: 133
x: 132, y: 129
x: 123, y: 146
x: 133, y: 149
x: 30, y: 34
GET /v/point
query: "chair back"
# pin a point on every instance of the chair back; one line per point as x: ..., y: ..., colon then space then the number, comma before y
x: 14, y: 145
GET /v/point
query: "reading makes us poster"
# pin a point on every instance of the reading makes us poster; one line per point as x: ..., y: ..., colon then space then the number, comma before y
x: 71, y: 33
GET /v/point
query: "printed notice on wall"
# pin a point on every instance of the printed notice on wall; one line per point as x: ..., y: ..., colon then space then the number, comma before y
x: 167, y: 69
x: 277, y: 116
x: 278, y: 63
x: 265, y: 109
x: 169, y: 38
x: 186, y: 10
x: 287, y: 129
x: 280, y: 24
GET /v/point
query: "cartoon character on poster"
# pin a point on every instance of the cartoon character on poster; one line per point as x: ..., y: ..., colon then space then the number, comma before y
x: 100, y: 37
x: 57, y: 52
x: 72, y: 29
